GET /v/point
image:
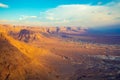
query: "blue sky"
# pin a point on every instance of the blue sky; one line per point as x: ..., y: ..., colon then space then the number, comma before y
x: 60, y: 12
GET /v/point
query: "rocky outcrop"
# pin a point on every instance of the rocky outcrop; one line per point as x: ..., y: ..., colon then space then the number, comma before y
x: 27, y: 35
x: 24, y: 33
x: 30, y: 34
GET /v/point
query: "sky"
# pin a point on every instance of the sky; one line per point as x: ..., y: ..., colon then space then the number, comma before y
x: 87, y: 13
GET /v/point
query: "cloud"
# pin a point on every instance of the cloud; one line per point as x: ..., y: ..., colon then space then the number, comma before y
x: 76, y: 15
x: 99, y: 3
x: 3, y: 5
x: 83, y: 15
x: 50, y: 18
x: 24, y: 17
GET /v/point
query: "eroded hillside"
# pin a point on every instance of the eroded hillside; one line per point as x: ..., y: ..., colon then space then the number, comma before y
x: 56, y: 53
x: 18, y: 61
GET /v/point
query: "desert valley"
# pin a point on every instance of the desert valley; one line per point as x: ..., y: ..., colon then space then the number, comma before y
x: 58, y: 53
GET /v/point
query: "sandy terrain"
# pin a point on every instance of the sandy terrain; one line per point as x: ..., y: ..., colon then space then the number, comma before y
x: 58, y: 54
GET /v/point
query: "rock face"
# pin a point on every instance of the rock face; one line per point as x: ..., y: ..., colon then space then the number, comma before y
x: 24, y: 34
x: 59, y: 29
x: 76, y: 30
x: 33, y: 33
x: 27, y: 35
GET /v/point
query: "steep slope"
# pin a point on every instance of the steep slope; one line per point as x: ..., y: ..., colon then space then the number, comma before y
x: 12, y: 61
x: 18, y: 61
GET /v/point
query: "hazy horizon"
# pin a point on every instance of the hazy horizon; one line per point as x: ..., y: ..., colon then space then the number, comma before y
x: 59, y: 40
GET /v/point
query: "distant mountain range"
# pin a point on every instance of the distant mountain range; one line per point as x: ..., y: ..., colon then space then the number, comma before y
x: 106, y: 30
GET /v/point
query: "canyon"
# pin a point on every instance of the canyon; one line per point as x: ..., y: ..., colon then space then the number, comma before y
x: 58, y: 53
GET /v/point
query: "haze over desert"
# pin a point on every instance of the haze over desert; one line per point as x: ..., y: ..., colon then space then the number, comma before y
x: 56, y: 53
x: 59, y: 40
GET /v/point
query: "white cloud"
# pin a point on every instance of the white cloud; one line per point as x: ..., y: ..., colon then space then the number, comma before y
x: 76, y: 15
x: 83, y: 15
x: 50, y: 18
x: 24, y: 17
x: 3, y: 5
x: 99, y: 3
